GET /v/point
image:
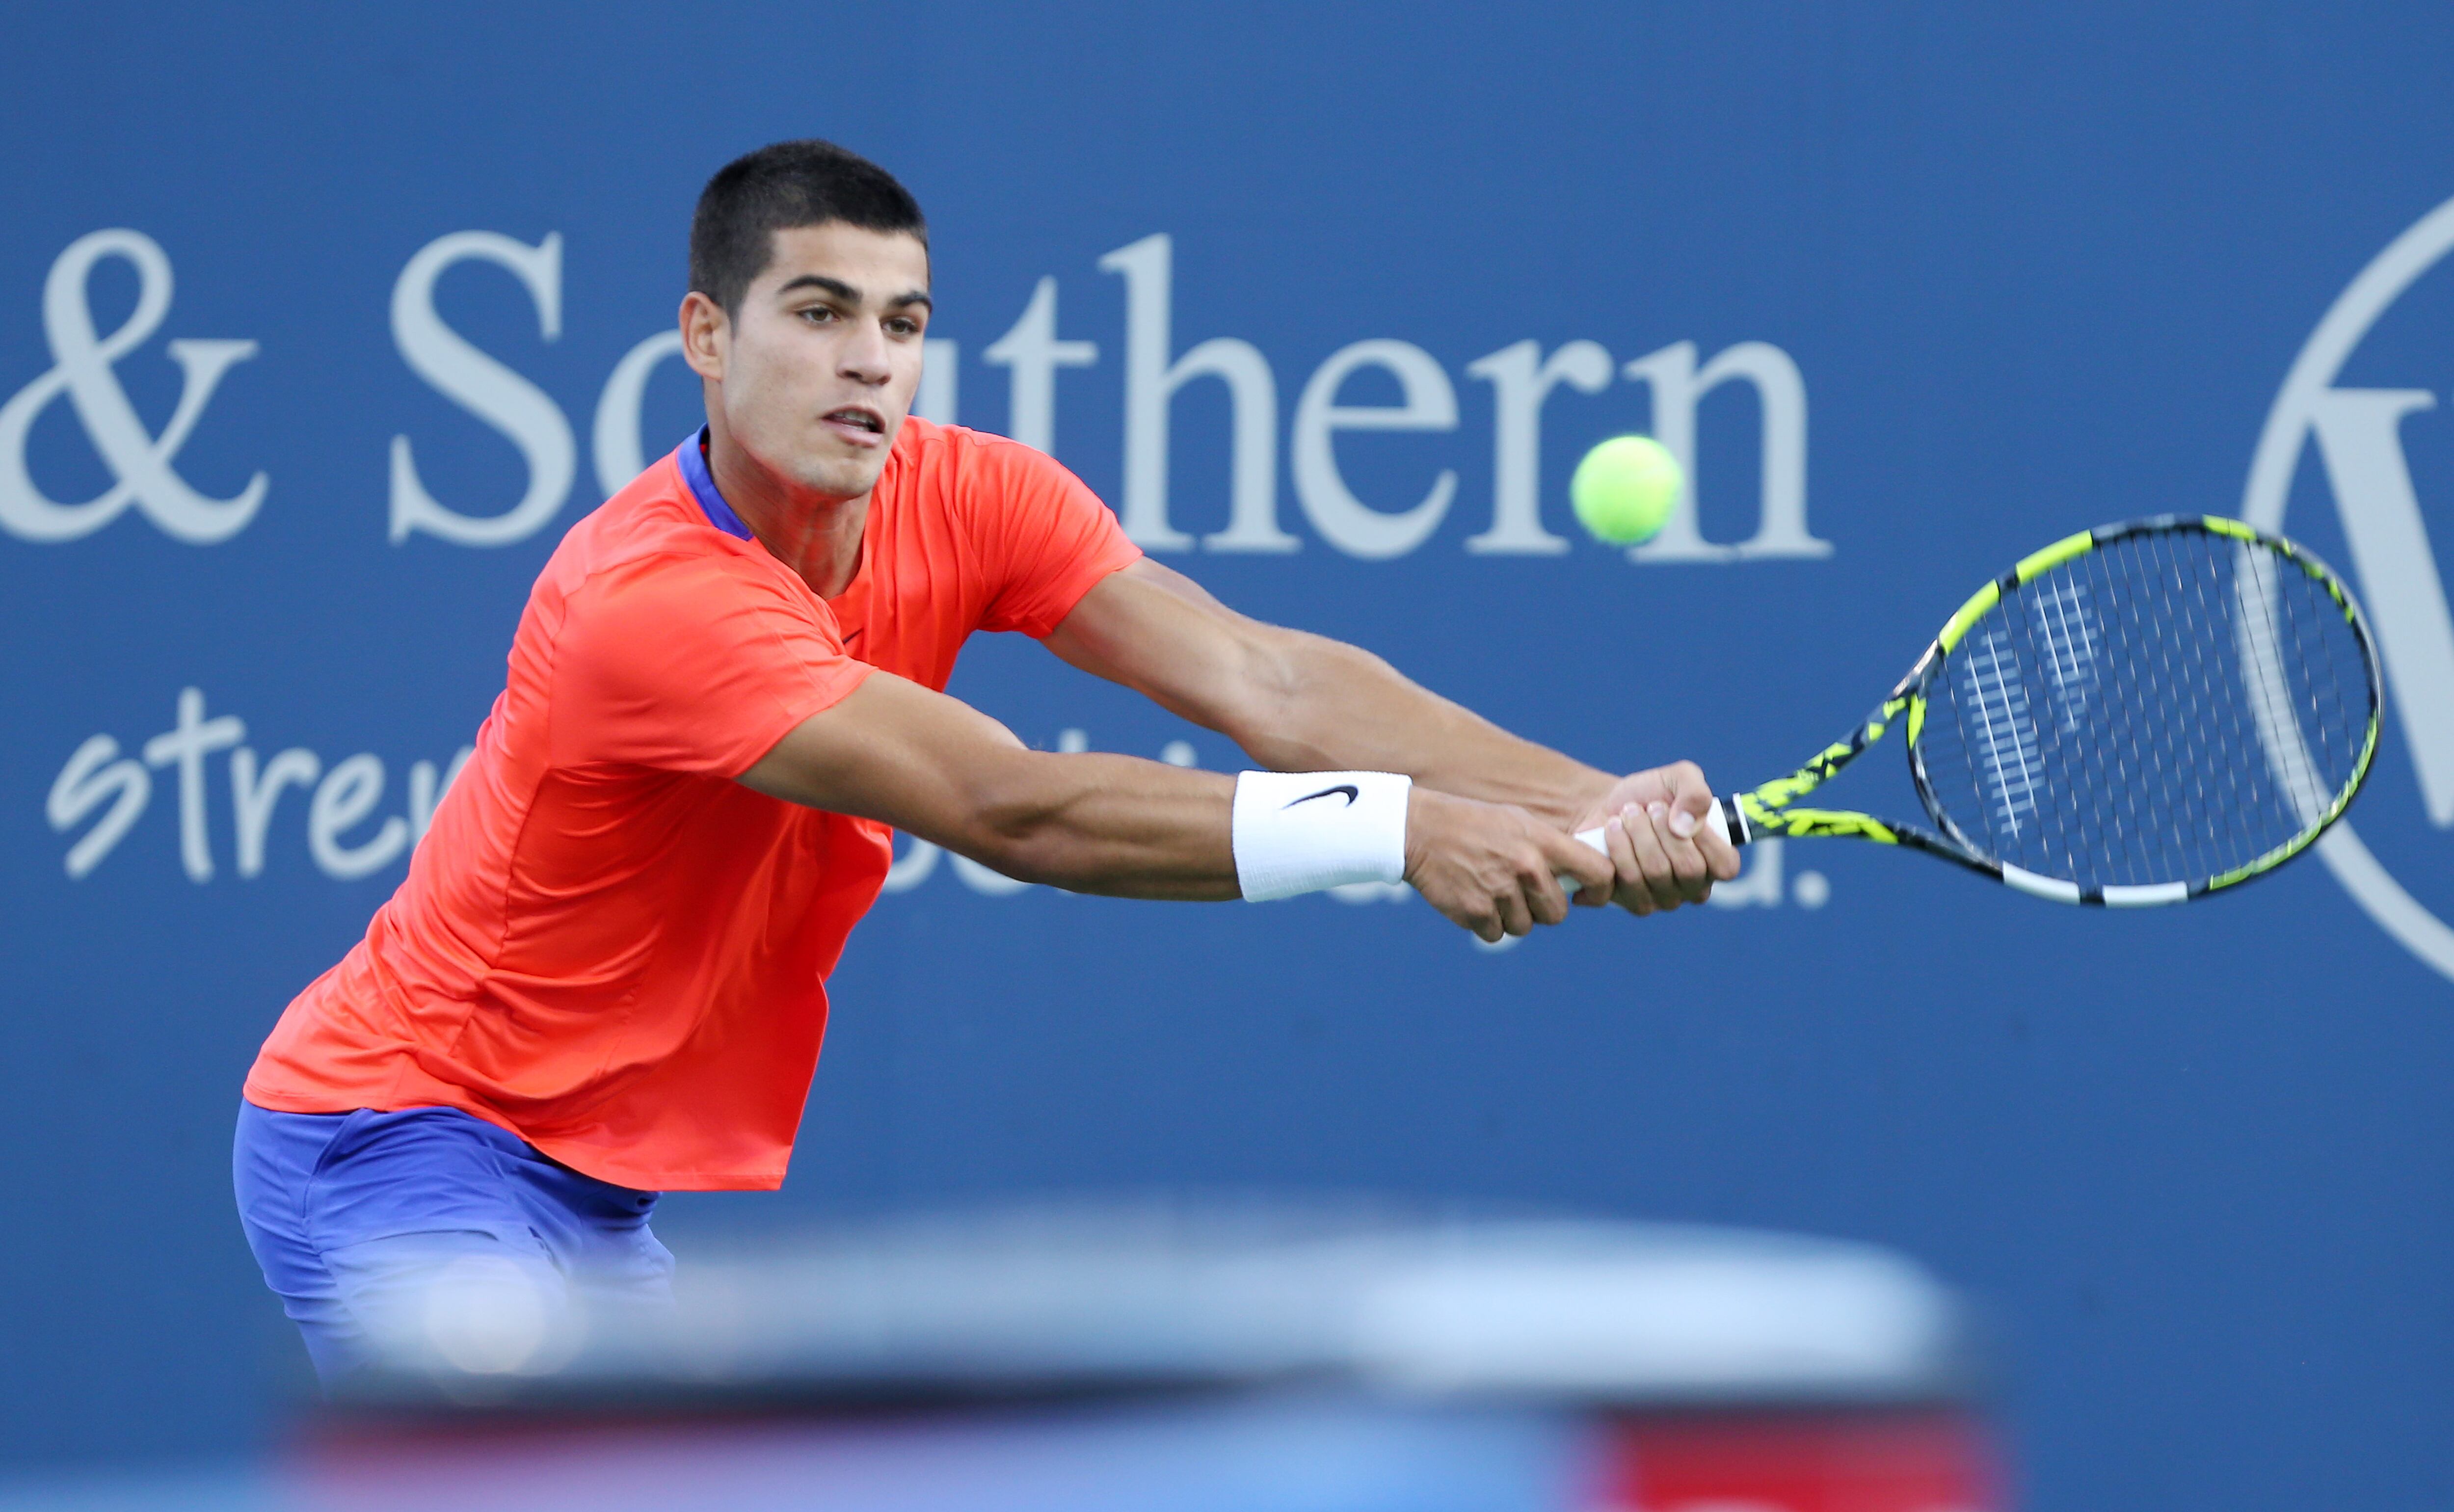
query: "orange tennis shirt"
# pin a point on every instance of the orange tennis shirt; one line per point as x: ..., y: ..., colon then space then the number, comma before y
x: 605, y: 945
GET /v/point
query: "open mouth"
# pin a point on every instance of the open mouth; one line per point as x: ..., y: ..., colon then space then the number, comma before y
x: 863, y: 422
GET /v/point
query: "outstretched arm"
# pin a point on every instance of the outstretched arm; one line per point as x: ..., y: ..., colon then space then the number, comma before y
x: 893, y: 751
x: 1296, y: 702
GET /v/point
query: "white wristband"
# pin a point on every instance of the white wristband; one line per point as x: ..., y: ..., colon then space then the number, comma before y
x: 1299, y: 832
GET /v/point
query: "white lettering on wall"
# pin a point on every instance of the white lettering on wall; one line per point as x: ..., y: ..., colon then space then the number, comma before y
x: 1781, y: 530
x: 426, y: 792
x: 96, y: 774
x: 485, y: 388
x: 920, y: 863
x: 186, y: 745
x: 1031, y: 355
x: 348, y: 793
x: 344, y: 800
x: 941, y: 364
x: 1764, y: 883
x: 1524, y: 380
x: 1521, y: 379
x: 985, y: 879
x: 253, y: 794
x: 1759, y: 882
x: 1429, y: 403
x: 1150, y: 381
x: 913, y: 867
x: 613, y: 442
x: 81, y: 369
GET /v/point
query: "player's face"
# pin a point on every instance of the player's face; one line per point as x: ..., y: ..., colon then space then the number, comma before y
x: 818, y: 367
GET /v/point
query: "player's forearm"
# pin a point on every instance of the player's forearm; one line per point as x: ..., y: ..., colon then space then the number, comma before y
x: 1103, y: 824
x: 929, y: 765
x: 1329, y: 704
x: 893, y: 751
x: 1114, y: 825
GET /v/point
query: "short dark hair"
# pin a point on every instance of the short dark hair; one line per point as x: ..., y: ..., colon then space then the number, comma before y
x: 776, y: 187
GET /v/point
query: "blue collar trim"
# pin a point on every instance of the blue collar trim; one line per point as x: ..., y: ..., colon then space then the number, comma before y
x: 692, y: 454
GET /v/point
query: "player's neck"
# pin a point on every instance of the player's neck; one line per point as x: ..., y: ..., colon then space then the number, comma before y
x: 816, y: 534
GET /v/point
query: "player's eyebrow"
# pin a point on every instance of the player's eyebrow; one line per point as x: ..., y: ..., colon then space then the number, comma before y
x: 835, y: 286
x: 848, y: 293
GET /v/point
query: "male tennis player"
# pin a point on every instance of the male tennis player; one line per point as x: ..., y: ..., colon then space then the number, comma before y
x: 605, y: 974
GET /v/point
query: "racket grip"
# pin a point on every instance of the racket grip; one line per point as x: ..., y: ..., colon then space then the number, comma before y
x: 1718, y: 817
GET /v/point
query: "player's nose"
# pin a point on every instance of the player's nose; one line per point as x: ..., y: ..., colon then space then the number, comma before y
x: 865, y: 354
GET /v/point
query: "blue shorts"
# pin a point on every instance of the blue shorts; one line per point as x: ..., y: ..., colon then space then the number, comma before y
x: 353, y: 1216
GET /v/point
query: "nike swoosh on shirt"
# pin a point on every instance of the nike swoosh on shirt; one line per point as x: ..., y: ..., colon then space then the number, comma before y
x: 1347, y: 788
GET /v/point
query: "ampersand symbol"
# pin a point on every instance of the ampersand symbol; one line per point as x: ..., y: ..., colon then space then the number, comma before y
x: 83, y: 370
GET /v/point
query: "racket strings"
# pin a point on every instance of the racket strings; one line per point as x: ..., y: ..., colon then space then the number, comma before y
x: 2170, y: 706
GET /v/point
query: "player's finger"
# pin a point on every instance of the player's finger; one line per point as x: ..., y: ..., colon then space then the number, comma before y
x: 1685, y: 788
x: 1544, y: 898
x: 1686, y: 862
x: 1654, y: 865
x: 1572, y: 864
x: 1632, y: 892
x: 1515, y: 917
x: 1544, y: 901
x: 1571, y: 869
x: 1476, y: 920
x: 1713, y: 842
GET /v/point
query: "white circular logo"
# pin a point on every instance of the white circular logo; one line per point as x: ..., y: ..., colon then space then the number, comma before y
x: 2359, y: 436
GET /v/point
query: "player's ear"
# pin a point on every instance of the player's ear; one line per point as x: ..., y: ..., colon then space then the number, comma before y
x: 707, y: 335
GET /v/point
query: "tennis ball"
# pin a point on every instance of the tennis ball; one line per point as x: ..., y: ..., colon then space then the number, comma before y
x: 1626, y: 488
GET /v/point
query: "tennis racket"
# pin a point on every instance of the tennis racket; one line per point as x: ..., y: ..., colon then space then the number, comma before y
x: 2141, y: 714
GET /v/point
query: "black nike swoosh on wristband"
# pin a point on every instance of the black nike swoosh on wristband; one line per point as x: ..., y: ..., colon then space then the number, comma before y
x: 1348, y: 788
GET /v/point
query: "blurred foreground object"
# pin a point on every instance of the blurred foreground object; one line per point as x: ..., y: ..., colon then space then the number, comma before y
x: 1231, y: 1357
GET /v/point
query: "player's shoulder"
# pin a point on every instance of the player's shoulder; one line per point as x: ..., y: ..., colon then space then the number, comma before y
x: 933, y: 456
x: 653, y: 513
x: 652, y: 542
x: 983, y: 481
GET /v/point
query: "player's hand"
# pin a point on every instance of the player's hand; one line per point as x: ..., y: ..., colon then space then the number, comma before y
x: 1665, y: 855
x: 1492, y: 867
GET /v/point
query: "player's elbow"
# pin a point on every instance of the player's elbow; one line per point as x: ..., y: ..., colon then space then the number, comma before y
x: 1295, y: 688
x: 1021, y: 848
x: 1018, y: 825
x: 1251, y: 684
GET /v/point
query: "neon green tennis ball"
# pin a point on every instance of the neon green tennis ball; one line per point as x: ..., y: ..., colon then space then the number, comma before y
x: 1625, y: 489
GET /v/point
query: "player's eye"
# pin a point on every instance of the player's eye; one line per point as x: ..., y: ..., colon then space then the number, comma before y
x: 903, y: 326
x: 817, y: 314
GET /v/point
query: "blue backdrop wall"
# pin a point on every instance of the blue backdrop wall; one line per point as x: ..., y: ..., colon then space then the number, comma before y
x: 318, y: 327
